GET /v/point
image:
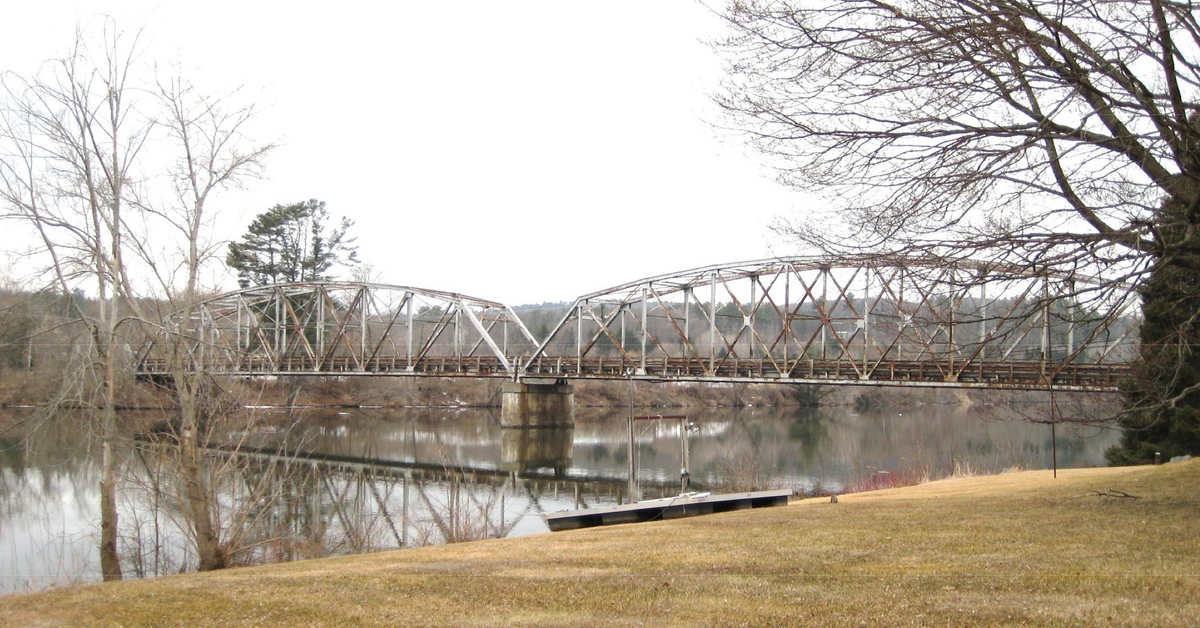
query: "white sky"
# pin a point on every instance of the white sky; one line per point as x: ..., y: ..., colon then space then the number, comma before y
x: 519, y: 151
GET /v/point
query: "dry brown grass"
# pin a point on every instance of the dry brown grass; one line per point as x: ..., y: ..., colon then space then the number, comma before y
x: 1015, y: 549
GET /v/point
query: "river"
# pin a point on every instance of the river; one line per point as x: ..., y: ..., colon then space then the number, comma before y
x: 328, y: 482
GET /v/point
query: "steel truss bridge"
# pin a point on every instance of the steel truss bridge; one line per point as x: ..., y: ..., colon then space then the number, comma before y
x: 891, y: 322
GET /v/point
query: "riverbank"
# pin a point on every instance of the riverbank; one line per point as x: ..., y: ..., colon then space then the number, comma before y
x: 24, y: 389
x: 1094, y: 547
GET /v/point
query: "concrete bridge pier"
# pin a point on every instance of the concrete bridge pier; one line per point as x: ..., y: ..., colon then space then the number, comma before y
x: 537, y: 403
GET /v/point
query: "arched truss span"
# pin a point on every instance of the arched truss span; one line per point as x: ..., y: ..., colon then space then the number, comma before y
x: 340, y: 328
x: 885, y: 321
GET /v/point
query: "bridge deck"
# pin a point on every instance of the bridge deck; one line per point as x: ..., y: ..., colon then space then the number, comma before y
x: 928, y: 373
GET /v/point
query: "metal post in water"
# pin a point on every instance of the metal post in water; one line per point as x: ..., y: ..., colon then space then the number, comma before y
x: 633, y: 482
x: 685, y: 476
x: 1053, y: 431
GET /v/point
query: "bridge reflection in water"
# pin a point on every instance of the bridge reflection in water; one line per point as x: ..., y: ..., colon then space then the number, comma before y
x: 344, y: 493
x: 459, y: 482
x: 378, y: 479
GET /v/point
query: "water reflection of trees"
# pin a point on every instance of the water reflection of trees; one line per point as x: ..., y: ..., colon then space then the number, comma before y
x: 275, y: 508
x: 443, y: 477
x: 821, y: 449
x: 269, y: 508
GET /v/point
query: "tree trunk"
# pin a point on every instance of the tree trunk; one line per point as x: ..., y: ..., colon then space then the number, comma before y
x: 197, y: 490
x: 110, y: 561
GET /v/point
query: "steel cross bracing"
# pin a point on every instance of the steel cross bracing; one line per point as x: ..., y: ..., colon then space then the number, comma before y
x: 342, y: 328
x: 905, y: 322
x: 875, y: 321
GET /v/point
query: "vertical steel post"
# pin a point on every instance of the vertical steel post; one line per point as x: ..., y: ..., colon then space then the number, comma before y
x: 363, y: 318
x: 579, y: 338
x: 1069, y: 309
x: 866, y: 316
x: 284, y: 328
x: 320, y: 328
x: 278, y: 325
x: 902, y: 323
x: 621, y: 314
x: 408, y: 344
x: 982, y: 317
x: 645, y: 323
x: 458, y: 330
x: 950, y: 318
x: 826, y: 319
x: 749, y: 322
x: 238, y: 344
x: 787, y: 313
x: 712, y: 330
x: 687, y: 319
x: 1045, y: 322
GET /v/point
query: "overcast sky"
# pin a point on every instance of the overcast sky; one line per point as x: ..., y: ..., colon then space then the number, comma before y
x: 518, y: 151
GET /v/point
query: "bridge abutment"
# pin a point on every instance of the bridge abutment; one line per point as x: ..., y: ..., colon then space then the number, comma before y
x: 535, y: 404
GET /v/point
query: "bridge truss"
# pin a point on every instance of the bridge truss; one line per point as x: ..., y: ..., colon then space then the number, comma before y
x: 903, y: 322
x: 871, y: 321
x: 342, y: 328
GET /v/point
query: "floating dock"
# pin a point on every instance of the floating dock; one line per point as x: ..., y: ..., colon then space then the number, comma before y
x: 686, y: 505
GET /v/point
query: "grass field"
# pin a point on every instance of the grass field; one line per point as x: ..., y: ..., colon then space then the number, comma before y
x: 1018, y: 549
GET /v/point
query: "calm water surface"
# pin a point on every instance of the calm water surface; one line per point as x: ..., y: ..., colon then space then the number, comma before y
x: 335, y: 482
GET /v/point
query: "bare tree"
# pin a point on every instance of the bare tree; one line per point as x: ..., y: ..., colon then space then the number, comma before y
x: 112, y: 166
x: 209, y: 153
x: 1040, y: 134
x: 71, y: 139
